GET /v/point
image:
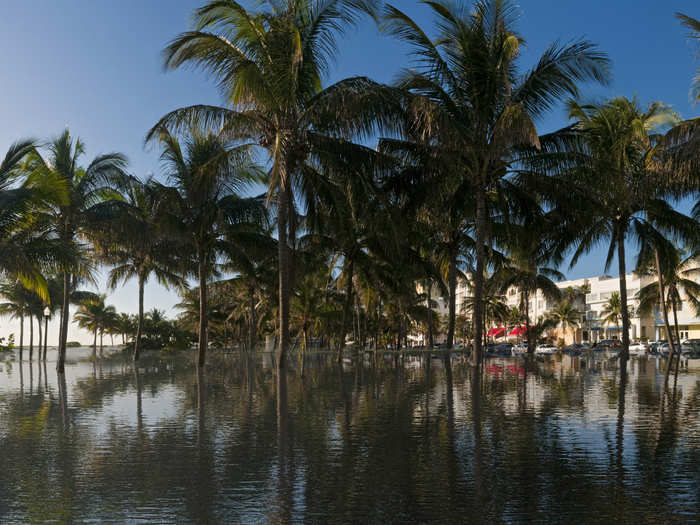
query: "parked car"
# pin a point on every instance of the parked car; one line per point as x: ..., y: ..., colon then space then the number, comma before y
x: 503, y: 349
x: 608, y: 344
x: 639, y: 348
x: 520, y: 349
x: 576, y: 348
x: 690, y: 346
x: 546, y: 349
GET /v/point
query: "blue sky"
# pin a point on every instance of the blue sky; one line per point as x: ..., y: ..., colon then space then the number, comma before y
x: 95, y: 66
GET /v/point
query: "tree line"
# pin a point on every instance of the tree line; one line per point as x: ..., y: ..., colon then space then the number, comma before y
x: 312, y: 211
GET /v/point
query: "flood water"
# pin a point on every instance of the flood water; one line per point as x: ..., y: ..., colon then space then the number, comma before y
x: 373, y: 441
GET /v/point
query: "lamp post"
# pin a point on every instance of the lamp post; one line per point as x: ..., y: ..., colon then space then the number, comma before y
x: 47, y: 314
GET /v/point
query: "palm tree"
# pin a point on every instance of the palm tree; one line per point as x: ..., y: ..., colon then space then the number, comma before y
x: 269, y: 64
x: 618, y: 190
x: 16, y: 306
x: 614, y: 313
x: 85, y: 187
x: 566, y: 316
x: 23, y: 249
x: 127, y: 326
x: 472, y: 100
x: 693, y: 25
x: 130, y: 237
x: 208, y: 173
x: 250, y: 254
x: 680, y: 280
x: 94, y: 315
x: 528, y: 270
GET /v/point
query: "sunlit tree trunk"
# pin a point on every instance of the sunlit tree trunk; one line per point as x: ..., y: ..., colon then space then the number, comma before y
x: 664, y: 313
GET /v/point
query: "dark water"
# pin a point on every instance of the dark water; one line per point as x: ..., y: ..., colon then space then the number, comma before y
x: 372, y: 442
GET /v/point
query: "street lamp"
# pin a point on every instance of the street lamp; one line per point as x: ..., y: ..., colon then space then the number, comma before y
x: 47, y: 314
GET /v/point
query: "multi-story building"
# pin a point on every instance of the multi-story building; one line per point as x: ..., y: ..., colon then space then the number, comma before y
x: 591, y: 304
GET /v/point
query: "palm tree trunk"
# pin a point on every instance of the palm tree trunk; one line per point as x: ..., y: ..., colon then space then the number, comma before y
x: 251, y: 321
x: 528, y: 335
x: 452, y: 281
x: 664, y: 313
x: 65, y: 313
x: 431, y: 340
x: 21, y: 335
x: 139, y: 328
x: 624, y: 355
x: 31, y: 337
x: 38, y: 322
x: 349, y: 271
x: 46, y: 339
x: 677, y: 336
x: 94, y: 342
x: 283, y: 254
x: 479, y: 276
x: 102, y: 335
x: 202, y: 311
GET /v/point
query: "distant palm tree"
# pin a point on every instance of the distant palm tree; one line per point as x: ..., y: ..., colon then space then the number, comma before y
x: 130, y: 237
x: 208, y: 174
x: 85, y: 187
x: 16, y: 306
x: 566, y: 316
x: 94, y: 315
x: 613, y: 312
x: 270, y: 65
x: 693, y: 25
x: 472, y: 100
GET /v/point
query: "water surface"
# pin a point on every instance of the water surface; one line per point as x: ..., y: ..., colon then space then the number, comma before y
x: 372, y: 441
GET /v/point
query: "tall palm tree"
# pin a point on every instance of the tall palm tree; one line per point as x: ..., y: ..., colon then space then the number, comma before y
x: 471, y: 98
x: 617, y: 190
x: 207, y: 174
x: 85, y: 187
x: 270, y: 63
x: 693, y: 25
x: 131, y: 237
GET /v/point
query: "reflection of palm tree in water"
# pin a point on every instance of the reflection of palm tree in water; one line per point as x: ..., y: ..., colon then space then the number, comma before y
x: 476, y: 424
x: 620, y: 438
x: 285, y: 474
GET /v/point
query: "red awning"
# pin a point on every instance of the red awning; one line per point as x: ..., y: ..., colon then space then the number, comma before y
x: 499, y: 332
x: 518, y: 330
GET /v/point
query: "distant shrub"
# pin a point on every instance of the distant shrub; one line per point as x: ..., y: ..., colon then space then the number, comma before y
x: 6, y: 347
x: 73, y: 344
